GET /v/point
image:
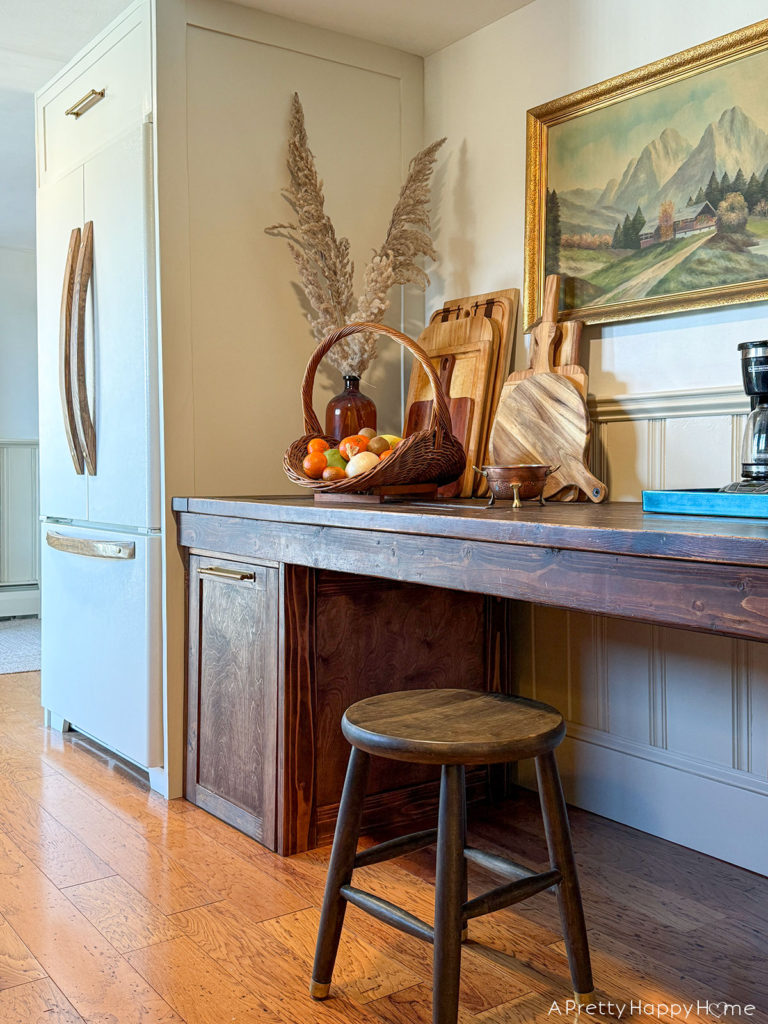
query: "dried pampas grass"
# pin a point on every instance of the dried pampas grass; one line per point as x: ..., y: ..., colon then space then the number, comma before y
x: 322, y: 260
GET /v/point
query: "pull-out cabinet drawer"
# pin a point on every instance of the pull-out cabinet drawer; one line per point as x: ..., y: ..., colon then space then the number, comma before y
x: 232, y: 693
x: 97, y: 99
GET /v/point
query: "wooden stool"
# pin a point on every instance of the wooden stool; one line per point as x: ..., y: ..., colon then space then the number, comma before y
x: 452, y: 728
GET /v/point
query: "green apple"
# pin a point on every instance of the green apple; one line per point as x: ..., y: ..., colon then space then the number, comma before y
x: 335, y: 458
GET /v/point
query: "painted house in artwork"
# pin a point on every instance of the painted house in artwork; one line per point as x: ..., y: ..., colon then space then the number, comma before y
x: 689, y: 220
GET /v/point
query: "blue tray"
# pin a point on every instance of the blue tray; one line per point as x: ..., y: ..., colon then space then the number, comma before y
x: 707, y: 502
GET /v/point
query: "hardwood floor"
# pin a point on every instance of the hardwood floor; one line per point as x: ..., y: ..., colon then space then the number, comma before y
x: 118, y: 907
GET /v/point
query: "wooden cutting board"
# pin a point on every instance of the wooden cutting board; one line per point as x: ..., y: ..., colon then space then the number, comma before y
x: 545, y: 420
x: 461, y: 410
x: 566, y: 342
x: 472, y: 341
x: 500, y: 306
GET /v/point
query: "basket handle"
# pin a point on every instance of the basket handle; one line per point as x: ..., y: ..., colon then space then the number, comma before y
x: 311, y: 422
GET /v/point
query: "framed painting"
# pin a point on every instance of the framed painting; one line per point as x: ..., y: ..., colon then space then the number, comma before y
x: 648, y: 193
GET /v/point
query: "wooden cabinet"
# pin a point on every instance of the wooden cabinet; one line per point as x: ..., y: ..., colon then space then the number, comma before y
x: 278, y: 652
x: 232, y: 693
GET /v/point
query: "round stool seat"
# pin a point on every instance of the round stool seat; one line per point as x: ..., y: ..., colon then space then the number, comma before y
x: 452, y: 727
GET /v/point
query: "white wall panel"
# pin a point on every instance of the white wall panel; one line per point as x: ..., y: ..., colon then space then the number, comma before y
x: 697, y: 451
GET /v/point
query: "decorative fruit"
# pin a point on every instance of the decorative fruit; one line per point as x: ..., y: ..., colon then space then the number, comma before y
x: 334, y: 458
x: 361, y: 463
x: 353, y: 445
x: 314, y: 464
x: 334, y: 473
x: 317, y: 444
x: 379, y: 445
x: 392, y: 438
x: 386, y: 454
x: 367, y: 432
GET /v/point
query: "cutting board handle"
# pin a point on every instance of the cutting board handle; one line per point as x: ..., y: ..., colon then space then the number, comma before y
x: 551, y: 299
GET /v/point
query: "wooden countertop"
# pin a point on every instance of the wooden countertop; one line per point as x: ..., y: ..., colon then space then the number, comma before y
x: 614, y: 527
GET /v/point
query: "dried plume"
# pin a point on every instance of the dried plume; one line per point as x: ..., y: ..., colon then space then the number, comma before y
x: 322, y: 260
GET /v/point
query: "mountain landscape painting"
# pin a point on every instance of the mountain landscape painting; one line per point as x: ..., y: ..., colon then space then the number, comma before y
x: 663, y: 193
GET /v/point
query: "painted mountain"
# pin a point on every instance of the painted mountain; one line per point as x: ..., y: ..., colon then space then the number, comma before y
x: 655, y: 230
x: 733, y: 143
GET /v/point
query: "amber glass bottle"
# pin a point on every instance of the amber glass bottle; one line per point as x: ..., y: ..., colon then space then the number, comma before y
x: 350, y: 411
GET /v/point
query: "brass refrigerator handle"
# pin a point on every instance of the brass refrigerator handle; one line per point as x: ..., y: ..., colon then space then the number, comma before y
x: 91, y: 547
x: 65, y: 352
x: 85, y: 427
x: 227, y: 574
x: 84, y: 104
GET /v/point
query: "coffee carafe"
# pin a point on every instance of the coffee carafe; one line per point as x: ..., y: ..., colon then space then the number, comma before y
x: 754, y: 446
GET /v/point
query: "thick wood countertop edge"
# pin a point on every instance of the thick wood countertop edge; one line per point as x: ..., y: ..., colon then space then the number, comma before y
x: 612, y: 528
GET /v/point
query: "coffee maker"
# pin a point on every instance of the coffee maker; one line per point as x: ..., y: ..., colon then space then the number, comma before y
x: 754, y: 446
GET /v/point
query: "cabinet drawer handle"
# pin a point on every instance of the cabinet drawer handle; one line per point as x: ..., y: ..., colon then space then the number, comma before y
x: 84, y: 104
x: 227, y: 574
x: 90, y: 546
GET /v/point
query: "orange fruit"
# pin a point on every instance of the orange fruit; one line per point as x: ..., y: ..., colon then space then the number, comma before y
x: 353, y: 445
x: 317, y: 444
x: 385, y: 455
x: 314, y: 464
x: 334, y: 473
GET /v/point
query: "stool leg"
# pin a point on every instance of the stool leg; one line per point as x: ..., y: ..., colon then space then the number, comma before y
x: 339, y: 872
x: 449, y: 892
x: 558, y: 834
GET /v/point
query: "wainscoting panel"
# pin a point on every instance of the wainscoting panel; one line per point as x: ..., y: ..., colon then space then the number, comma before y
x: 19, y: 533
x: 668, y: 729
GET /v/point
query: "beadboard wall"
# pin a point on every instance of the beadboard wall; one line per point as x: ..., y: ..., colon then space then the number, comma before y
x: 667, y: 729
x: 19, y: 545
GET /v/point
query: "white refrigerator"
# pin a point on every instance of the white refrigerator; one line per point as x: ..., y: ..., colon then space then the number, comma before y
x: 100, y: 499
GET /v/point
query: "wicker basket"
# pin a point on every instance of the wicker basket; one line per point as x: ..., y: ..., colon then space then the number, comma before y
x: 428, y: 456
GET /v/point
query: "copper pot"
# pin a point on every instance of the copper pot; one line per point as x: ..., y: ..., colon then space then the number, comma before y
x: 516, y: 482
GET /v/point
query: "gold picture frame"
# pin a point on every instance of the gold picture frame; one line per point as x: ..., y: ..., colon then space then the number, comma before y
x: 543, y: 133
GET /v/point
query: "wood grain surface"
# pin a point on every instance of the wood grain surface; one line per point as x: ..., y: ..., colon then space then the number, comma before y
x: 474, y: 342
x: 500, y: 306
x: 450, y: 726
x: 615, y: 527
x: 611, y: 560
x: 665, y: 924
x: 545, y: 420
x: 65, y: 353
x: 84, y: 421
x: 231, y: 706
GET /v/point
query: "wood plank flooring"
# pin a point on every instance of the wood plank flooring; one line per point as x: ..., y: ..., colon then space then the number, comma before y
x: 117, y: 907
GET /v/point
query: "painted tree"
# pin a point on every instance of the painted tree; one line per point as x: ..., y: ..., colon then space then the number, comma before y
x: 638, y: 223
x: 712, y: 194
x: 725, y: 185
x: 691, y: 201
x: 739, y: 183
x: 764, y: 186
x: 554, y: 234
x: 700, y: 197
x: 752, y: 193
x: 732, y: 214
x: 626, y: 233
x: 667, y: 221
x: 616, y: 243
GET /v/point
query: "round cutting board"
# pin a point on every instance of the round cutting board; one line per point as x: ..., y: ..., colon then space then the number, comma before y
x: 544, y: 420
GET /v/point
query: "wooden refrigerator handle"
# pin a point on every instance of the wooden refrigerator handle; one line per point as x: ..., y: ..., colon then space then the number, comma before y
x: 65, y: 353
x: 86, y: 429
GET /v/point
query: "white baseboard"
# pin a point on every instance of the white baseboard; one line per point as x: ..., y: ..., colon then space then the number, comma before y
x: 19, y: 601
x: 703, y: 813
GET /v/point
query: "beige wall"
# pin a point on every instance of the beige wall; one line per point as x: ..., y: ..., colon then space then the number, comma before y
x: 667, y: 729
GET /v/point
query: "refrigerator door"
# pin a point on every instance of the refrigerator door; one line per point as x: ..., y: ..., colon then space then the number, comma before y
x: 63, y: 484
x: 121, y: 352
x: 101, y: 637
